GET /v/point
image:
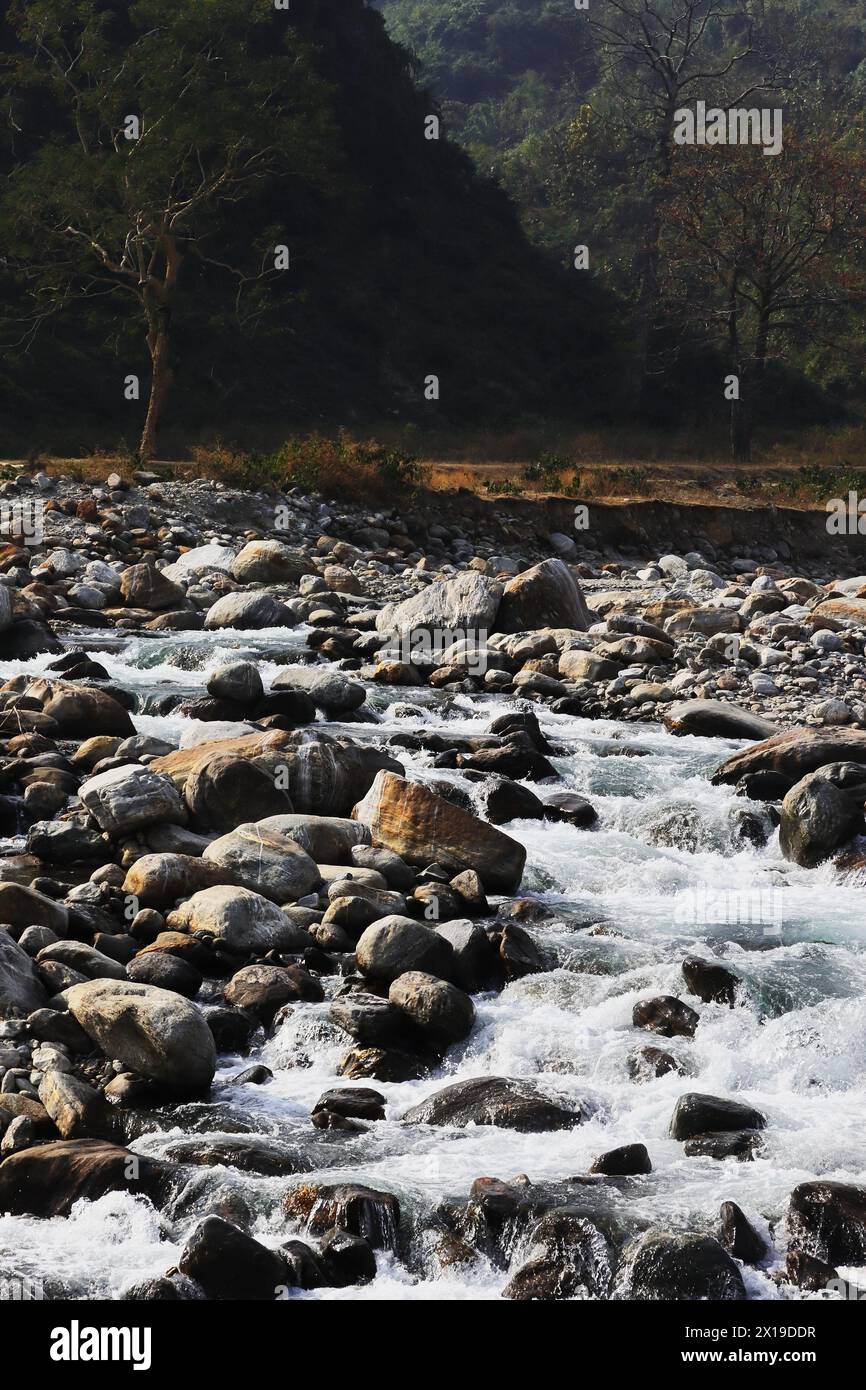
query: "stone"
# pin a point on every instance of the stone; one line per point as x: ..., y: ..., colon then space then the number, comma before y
x: 126, y: 798
x: 246, y: 922
x: 78, y: 1111
x: 229, y: 791
x: 249, y: 611
x: 629, y: 1160
x: 738, y: 1235
x: 330, y: 691
x: 661, y: 1266
x: 711, y: 982
x: 422, y: 827
x: 229, y: 1264
x: 265, y: 862
x: 494, y: 1100
x: 716, y: 719
x: 269, y: 562
x: 795, y: 753
x: 144, y: 586
x: 158, y: 879
x: 444, y: 1013
x: 21, y: 991
x: 474, y: 962
x: 821, y: 812
x: 567, y: 1257
x: 80, y: 711
x: 49, y: 1180
x: 700, y: 1114
x: 159, y: 1035
x: 465, y: 605
x: 263, y: 989
x: 828, y: 1221
x: 394, y: 945
x: 165, y: 971
x: 368, y: 1018
x: 546, y: 595
x: 239, y: 681
x: 21, y: 906
x: 368, y: 1212
x: 667, y: 1016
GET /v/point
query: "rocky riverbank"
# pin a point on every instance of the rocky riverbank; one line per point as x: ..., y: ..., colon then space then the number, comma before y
x: 289, y: 857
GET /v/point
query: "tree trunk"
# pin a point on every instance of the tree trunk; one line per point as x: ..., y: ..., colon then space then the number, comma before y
x: 741, y: 431
x: 160, y: 380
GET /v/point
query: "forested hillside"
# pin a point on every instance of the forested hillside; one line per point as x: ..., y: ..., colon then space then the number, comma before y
x: 404, y: 262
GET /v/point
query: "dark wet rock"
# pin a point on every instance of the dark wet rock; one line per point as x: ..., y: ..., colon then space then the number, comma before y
x: 25, y: 638
x: 174, y: 1289
x: 566, y: 1257
x: 258, y: 1075
x: 815, y: 1275
x: 89, y: 962
x: 716, y: 719
x: 64, y: 842
x: 369, y: 1212
x: 742, y: 1144
x: 647, y: 1063
x: 396, y: 872
x: 568, y: 806
x: 249, y: 1153
x: 828, y: 1220
x: 506, y: 801
x: 422, y: 827
x: 662, y: 1266
x: 305, y: 1268
x: 394, y: 945
x: 518, y: 953
x: 231, y: 1029
x: 348, y: 1259
x: 77, y: 1110
x: 355, y: 1102
x: 821, y: 812
x: 368, y: 1018
x: 229, y: 1264
x: 444, y: 1013
x: 764, y: 786
x: 494, y: 1100
x: 157, y: 1034
x: 667, y: 1016
x: 21, y: 906
x: 474, y: 964
x: 47, y: 1025
x: 50, y: 1179
x: 238, y: 680
x: 699, y: 1114
x: 738, y: 1235
x: 626, y: 1161
x: 711, y: 982
x: 329, y: 690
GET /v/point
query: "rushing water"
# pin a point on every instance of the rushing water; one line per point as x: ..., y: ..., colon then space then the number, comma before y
x: 666, y: 873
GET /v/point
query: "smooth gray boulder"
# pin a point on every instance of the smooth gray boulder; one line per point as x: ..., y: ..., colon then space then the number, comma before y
x: 159, y: 1035
x: 716, y: 719
x: 251, y: 611
x: 126, y: 798
x: 21, y: 991
x: 265, y: 861
x: 247, y: 922
x: 464, y: 605
x: 331, y: 691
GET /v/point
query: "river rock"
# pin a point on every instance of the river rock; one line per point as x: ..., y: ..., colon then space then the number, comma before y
x: 158, y: 879
x: 229, y: 1264
x: 465, y: 605
x: 264, y: 861
x: 667, y: 1016
x: 738, y: 1235
x: 78, y: 1111
x: 327, y: 839
x: 662, y: 1266
x: 442, y: 1011
x: 239, y: 681
x: 711, y: 982
x: 198, y: 561
x: 228, y: 791
x: 21, y: 991
x: 49, y: 1180
x: 423, y: 828
x: 368, y: 1018
x: 827, y: 1220
x: 252, y: 611
x: 269, y: 562
x: 21, y: 906
x: 699, y: 1114
x: 165, y: 971
x: 821, y: 812
x: 494, y: 1100
x: 547, y: 595
x: 86, y: 960
x: 248, y: 923
x: 144, y: 586
x: 129, y: 797
x: 263, y: 989
x: 629, y: 1160
x: 795, y: 753
x: 330, y: 691
x: 368, y: 1212
x: 154, y: 1033
x: 79, y: 711
x: 394, y: 945
x: 716, y: 719
x: 567, y: 1257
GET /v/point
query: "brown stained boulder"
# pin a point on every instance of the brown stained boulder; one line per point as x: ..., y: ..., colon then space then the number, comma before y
x: 369, y: 1212
x: 144, y: 586
x: 269, y: 562
x: 547, y: 595
x: 181, y: 764
x: 424, y: 828
x: 444, y: 1013
x: 794, y: 753
x: 159, y: 879
x: 821, y: 812
x: 81, y: 711
x: 50, y: 1179
x: 230, y: 790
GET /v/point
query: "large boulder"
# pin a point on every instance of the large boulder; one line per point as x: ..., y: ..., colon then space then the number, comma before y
x: 660, y: 1266
x: 21, y: 991
x: 795, y: 753
x: 49, y: 1180
x: 443, y: 1012
x: 716, y: 719
x: 269, y: 562
x: 331, y: 691
x: 424, y: 828
x: 199, y: 560
x: 264, y: 861
x: 465, y: 605
x: 126, y: 798
x: 327, y: 839
x: 151, y: 1031
x: 828, y: 1221
x: 821, y: 812
x: 21, y: 906
x: 229, y: 1264
x: 157, y: 879
x: 249, y: 611
x: 80, y: 711
x: 248, y: 923
x: 78, y: 1111
x: 229, y: 790
x: 699, y: 1114
x: 547, y: 595
x: 395, y: 944
x: 494, y: 1100
x: 144, y: 586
